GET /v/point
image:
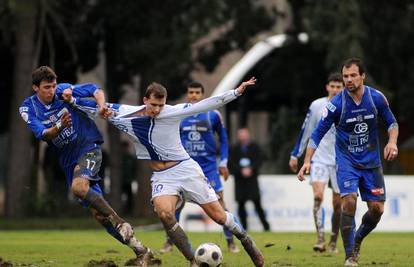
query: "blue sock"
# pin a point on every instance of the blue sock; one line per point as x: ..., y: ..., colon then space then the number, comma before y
x: 368, y: 224
x: 113, y: 232
x: 348, y: 232
x: 178, y: 214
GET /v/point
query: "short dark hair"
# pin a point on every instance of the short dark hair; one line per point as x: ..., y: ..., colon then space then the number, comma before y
x: 156, y: 90
x: 194, y: 84
x: 335, y: 77
x: 43, y: 73
x: 355, y: 61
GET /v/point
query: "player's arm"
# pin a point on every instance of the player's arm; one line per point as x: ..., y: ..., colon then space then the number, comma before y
x: 218, y: 127
x: 384, y: 111
x: 209, y: 103
x: 37, y: 127
x: 331, y: 115
x: 68, y: 91
x: 64, y: 122
x: 308, y: 125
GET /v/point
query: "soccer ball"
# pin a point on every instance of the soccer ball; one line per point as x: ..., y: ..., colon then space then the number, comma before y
x: 208, y: 255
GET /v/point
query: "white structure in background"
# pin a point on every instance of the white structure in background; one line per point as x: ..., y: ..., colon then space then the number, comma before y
x: 288, y: 205
x: 251, y: 58
x: 287, y: 202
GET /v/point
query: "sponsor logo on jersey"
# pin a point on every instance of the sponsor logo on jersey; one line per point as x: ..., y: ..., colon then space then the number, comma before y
x: 368, y: 117
x: 377, y: 191
x: 194, y: 136
x: 360, y: 128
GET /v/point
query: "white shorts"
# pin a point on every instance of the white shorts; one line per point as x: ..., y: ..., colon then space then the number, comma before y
x: 186, y: 180
x: 323, y: 173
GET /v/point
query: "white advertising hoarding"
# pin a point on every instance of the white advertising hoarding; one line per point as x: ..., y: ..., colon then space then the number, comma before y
x: 288, y: 204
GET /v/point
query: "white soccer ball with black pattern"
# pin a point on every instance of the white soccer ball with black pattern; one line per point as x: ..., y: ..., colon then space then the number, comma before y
x: 208, y: 255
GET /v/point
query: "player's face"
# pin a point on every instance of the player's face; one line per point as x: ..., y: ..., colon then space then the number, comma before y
x: 45, y: 91
x: 352, y: 79
x: 333, y: 88
x: 153, y: 105
x: 194, y: 94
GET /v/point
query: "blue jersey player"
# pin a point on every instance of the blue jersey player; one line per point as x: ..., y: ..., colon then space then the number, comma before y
x: 77, y: 143
x: 198, y: 136
x: 355, y: 112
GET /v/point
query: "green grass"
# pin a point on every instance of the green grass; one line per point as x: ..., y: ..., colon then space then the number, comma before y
x: 78, y: 247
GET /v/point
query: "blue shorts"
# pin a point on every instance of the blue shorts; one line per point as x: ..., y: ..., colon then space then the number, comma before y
x: 89, y: 164
x: 213, y: 178
x: 370, y: 182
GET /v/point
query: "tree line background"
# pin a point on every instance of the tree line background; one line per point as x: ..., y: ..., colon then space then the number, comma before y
x: 154, y: 40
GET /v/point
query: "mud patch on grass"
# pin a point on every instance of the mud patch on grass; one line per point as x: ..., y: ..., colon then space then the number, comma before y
x: 4, y: 263
x: 101, y: 263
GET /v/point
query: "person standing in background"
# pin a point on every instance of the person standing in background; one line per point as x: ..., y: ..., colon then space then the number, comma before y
x: 245, y: 160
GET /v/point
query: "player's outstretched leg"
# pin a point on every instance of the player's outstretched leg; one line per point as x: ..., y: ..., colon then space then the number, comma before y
x: 248, y: 244
x: 216, y: 212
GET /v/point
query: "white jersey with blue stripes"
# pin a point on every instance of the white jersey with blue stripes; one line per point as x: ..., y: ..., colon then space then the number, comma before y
x: 158, y: 138
x: 325, y: 153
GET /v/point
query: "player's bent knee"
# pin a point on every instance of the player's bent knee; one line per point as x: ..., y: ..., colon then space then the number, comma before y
x: 376, y: 210
x: 167, y: 217
x: 79, y: 188
x: 219, y: 217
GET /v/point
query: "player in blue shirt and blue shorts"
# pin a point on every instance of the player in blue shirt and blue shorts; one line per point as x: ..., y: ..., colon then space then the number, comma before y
x: 355, y: 112
x: 77, y: 144
x: 198, y: 136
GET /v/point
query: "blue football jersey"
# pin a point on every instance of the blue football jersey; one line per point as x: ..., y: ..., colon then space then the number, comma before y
x: 357, y: 141
x: 72, y: 141
x: 198, y: 138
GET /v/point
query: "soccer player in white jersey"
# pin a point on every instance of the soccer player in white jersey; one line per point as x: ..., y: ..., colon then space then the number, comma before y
x: 155, y: 130
x: 323, y: 169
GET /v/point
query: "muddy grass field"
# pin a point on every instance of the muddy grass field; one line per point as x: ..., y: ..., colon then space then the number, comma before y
x: 96, y: 248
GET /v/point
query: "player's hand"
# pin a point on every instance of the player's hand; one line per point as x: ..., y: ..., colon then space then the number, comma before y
x: 67, y: 95
x: 224, y: 171
x: 390, y: 151
x: 293, y: 164
x: 65, y: 120
x: 304, y: 170
x: 105, y: 112
x: 242, y: 87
